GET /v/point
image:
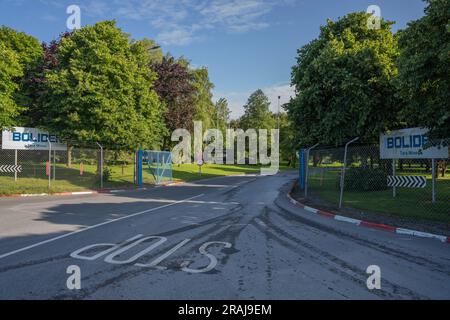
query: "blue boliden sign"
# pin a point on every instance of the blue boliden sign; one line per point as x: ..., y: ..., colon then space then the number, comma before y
x: 409, y: 144
x: 31, y: 139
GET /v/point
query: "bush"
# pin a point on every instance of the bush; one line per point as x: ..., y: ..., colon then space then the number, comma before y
x: 364, y: 179
x: 107, y: 173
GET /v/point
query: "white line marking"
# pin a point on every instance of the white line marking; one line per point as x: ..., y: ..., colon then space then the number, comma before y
x: 80, y: 193
x: 420, y: 234
x: 158, y: 260
x: 95, y: 226
x: 346, y: 219
x: 309, y: 209
x: 261, y: 223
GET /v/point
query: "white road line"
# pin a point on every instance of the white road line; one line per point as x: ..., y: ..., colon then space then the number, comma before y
x: 95, y: 226
x: 261, y: 223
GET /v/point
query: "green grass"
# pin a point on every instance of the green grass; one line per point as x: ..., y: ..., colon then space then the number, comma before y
x: 34, y: 180
x: 409, y: 202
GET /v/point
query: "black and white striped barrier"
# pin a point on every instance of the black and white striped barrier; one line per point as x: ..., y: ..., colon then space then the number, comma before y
x: 407, y: 181
x: 10, y: 168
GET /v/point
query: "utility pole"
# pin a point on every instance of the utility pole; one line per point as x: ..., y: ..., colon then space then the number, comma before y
x: 278, y: 120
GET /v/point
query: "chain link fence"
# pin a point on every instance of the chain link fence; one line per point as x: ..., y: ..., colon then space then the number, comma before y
x: 365, y: 183
x: 75, y: 169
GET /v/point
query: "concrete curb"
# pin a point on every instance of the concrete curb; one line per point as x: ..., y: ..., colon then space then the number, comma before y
x: 369, y: 224
x: 90, y: 192
x: 75, y: 193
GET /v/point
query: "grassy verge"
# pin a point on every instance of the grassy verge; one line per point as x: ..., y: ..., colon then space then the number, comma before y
x: 34, y: 179
x: 409, y: 202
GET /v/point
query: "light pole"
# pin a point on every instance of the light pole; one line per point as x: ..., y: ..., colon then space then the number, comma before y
x: 278, y: 120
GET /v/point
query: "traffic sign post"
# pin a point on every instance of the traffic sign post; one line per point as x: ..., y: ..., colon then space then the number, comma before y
x: 200, y: 164
x: 10, y: 168
x: 394, y: 188
x: 411, y: 143
x: 433, y: 179
x: 407, y: 181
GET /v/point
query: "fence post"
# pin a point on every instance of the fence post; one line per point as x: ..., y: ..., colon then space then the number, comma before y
x: 307, y: 168
x: 54, y: 164
x: 301, y: 168
x: 394, y: 189
x: 49, y: 164
x: 343, y: 171
x: 15, y: 163
x: 433, y: 180
x: 101, y: 165
x: 138, y: 157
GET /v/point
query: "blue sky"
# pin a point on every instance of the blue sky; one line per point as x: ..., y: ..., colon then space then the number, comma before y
x: 246, y: 44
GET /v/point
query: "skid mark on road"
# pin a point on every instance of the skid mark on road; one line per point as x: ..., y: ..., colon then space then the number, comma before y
x: 331, y: 262
x: 418, y: 260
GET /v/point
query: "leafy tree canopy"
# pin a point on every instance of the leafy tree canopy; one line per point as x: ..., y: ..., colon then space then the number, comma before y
x: 343, y: 82
x: 424, y: 70
x: 10, y: 70
x: 204, y: 106
x: 256, y: 112
x: 20, y: 53
x: 99, y: 92
x: 174, y: 87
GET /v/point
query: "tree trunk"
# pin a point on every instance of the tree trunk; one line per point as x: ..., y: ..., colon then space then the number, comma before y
x: 69, y: 156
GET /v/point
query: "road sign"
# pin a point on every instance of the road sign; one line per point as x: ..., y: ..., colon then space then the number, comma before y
x: 409, y: 144
x: 10, y: 168
x: 30, y: 139
x: 407, y: 181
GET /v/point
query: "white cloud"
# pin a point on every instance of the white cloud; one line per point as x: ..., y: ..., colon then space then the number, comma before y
x: 237, y: 100
x: 96, y: 8
x: 180, y: 22
x: 175, y: 37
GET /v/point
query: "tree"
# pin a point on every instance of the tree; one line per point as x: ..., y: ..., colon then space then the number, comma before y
x: 424, y: 70
x: 99, y: 92
x: 174, y: 87
x: 148, y: 51
x: 287, y: 141
x: 343, y: 81
x: 20, y: 53
x: 10, y: 70
x: 204, y: 106
x: 27, y: 48
x: 256, y: 112
x: 222, y: 114
x: 34, y: 88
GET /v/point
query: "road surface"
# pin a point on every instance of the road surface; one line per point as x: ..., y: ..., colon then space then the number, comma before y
x: 222, y: 238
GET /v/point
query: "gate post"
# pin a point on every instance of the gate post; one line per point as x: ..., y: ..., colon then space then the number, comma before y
x: 139, y: 168
x: 302, y: 169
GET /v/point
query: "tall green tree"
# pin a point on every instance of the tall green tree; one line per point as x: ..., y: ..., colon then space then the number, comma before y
x: 256, y: 113
x: 20, y: 54
x: 222, y: 112
x: 287, y: 139
x: 10, y: 71
x: 28, y: 48
x: 100, y: 92
x: 34, y: 88
x: 343, y: 81
x: 204, y: 106
x: 424, y: 70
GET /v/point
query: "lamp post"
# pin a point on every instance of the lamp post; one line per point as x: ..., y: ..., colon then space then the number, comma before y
x: 278, y: 120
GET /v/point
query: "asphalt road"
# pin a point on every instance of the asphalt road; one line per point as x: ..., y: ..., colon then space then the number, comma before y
x: 223, y: 238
